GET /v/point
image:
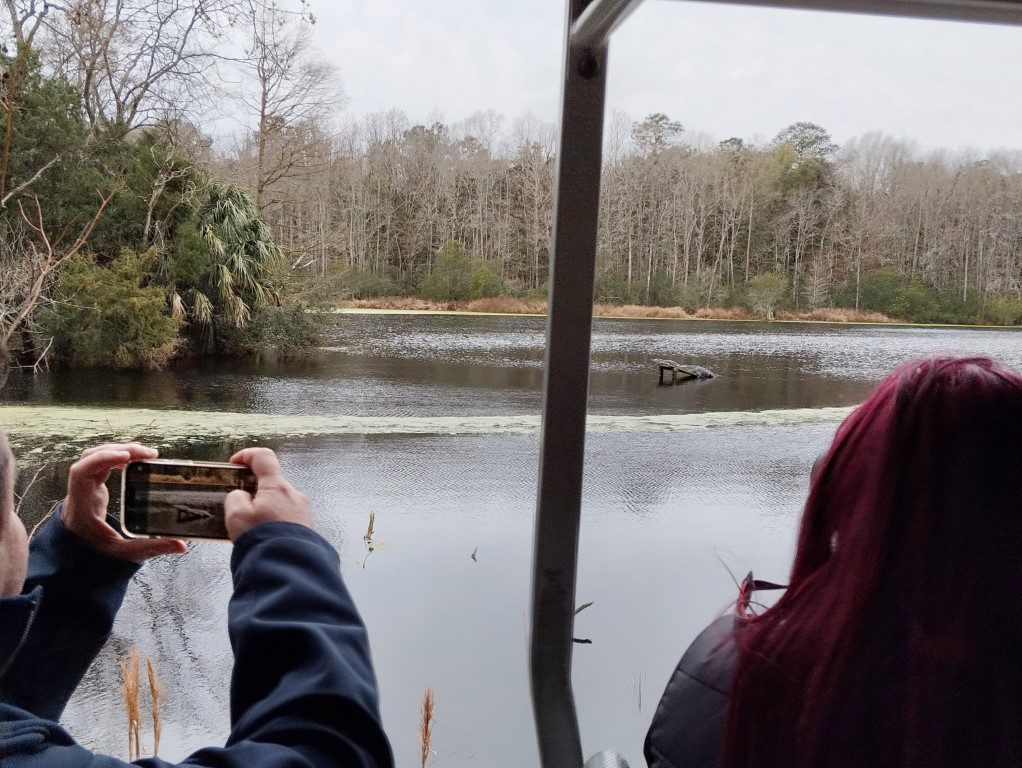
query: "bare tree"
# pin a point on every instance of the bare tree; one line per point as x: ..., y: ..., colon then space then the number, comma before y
x: 23, y: 281
x: 288, y: 94
x: 137, y: 61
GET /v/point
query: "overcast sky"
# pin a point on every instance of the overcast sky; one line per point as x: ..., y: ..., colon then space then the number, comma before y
x: 726, y: 71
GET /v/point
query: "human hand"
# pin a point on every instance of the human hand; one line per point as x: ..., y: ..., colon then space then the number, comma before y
x: 84, y: 510
x: 275, y: 499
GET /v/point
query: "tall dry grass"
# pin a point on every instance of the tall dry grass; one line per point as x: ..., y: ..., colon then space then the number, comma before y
x: 836, y: 315
x: 131, y: 694
x: 156, y: 694
x: 503, y: 305
x: 426, y: 726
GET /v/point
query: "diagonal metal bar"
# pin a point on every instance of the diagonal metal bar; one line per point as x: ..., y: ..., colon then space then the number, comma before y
x: 566, y: 384
x: 595, y: 25
x: 984, y: 11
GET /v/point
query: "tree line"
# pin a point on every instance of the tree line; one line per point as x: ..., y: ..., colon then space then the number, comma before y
x: 795, y: 222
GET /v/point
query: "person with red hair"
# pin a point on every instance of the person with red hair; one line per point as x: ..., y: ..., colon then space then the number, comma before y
x: 897, y: 643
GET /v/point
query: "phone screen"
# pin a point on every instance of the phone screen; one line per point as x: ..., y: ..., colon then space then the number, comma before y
x: 179, y: 499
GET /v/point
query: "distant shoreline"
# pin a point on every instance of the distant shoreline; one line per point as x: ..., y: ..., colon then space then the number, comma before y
x: 506, y: 307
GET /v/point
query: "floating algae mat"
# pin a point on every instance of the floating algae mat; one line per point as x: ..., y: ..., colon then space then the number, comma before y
x: 72, y: 426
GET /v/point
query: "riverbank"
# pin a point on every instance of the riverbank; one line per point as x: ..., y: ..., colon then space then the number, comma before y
x: 510, y: 306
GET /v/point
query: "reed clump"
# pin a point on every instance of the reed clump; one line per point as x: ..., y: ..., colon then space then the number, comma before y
x: 130, y: 667
x: 835, y: 315
x: 156, y: 694
x: 129, y: 692
x: 426, y: 725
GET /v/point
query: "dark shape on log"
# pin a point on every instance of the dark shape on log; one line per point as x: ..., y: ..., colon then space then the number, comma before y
x: 681, y: 372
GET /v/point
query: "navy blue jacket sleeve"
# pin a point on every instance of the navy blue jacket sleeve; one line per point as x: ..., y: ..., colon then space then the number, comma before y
x: 82, y: 591
x: 303, y: 692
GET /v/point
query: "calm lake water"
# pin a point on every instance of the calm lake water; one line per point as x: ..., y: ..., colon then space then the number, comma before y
x: 667, y: 512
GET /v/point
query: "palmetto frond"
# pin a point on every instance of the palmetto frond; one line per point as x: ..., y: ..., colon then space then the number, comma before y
x: 244, y: 258
x: 177, y: 307
x: 202, y: 308
x: 239, y: 312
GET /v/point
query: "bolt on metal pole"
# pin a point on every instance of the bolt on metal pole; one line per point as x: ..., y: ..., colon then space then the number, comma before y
x: 566, y: 385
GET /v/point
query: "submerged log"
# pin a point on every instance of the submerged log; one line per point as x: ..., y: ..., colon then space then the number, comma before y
x: 681, y: 372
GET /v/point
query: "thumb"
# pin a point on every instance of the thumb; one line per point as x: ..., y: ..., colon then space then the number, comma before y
x: 239, y: 508
x: 238, y: 502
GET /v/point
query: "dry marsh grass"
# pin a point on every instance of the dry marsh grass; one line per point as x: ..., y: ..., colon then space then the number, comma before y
x: 426, y: 726
x: 156, y: 694
x: 836, y: 315
x: 504, y: 305
x: 726, y: 313
x: 129, y: 693
x: 130, y: 666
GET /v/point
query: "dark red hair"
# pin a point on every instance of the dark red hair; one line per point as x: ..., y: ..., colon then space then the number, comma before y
x: 899, y: 640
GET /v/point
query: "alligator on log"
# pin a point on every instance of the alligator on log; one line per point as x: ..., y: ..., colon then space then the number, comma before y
x: 681, y: 372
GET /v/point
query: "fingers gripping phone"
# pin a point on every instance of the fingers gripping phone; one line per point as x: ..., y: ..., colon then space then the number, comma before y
x: 179, y: 499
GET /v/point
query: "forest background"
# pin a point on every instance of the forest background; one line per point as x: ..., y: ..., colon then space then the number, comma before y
x: 180, y: 179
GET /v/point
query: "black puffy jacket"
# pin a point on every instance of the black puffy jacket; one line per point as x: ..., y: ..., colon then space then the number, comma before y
x: 688, y: 727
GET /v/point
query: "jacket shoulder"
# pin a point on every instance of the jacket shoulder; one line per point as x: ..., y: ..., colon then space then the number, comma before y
x: 688, y: 727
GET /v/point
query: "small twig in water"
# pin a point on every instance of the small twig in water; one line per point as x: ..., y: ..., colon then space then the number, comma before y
x: 638, y: 691
x: 474, y: 553
x: 582, y: 608
x: 372, y: 522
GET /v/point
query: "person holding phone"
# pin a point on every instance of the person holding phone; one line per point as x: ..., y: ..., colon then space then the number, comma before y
x: 303, y: 690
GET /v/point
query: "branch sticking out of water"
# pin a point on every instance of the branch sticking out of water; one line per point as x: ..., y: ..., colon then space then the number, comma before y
x: 582, y: 608
x: 372, y: 522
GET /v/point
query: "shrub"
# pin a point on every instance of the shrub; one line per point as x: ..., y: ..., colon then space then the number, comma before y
x: 1003, y: 310
x: 612, y: 289
x: 663, y: 292
x: 764, y: 293
x: 109, y: 316
x: 450, y: 278
x: 911, y: 298
x: 486, y: 282
x: 289, y: 329
x: 367, y: 284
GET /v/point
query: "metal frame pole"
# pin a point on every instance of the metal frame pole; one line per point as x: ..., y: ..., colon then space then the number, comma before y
x: 978, y: 11
x: 566, y: 383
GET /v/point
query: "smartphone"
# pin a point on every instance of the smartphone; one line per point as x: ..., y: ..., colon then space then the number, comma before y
x: 179, y: 499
